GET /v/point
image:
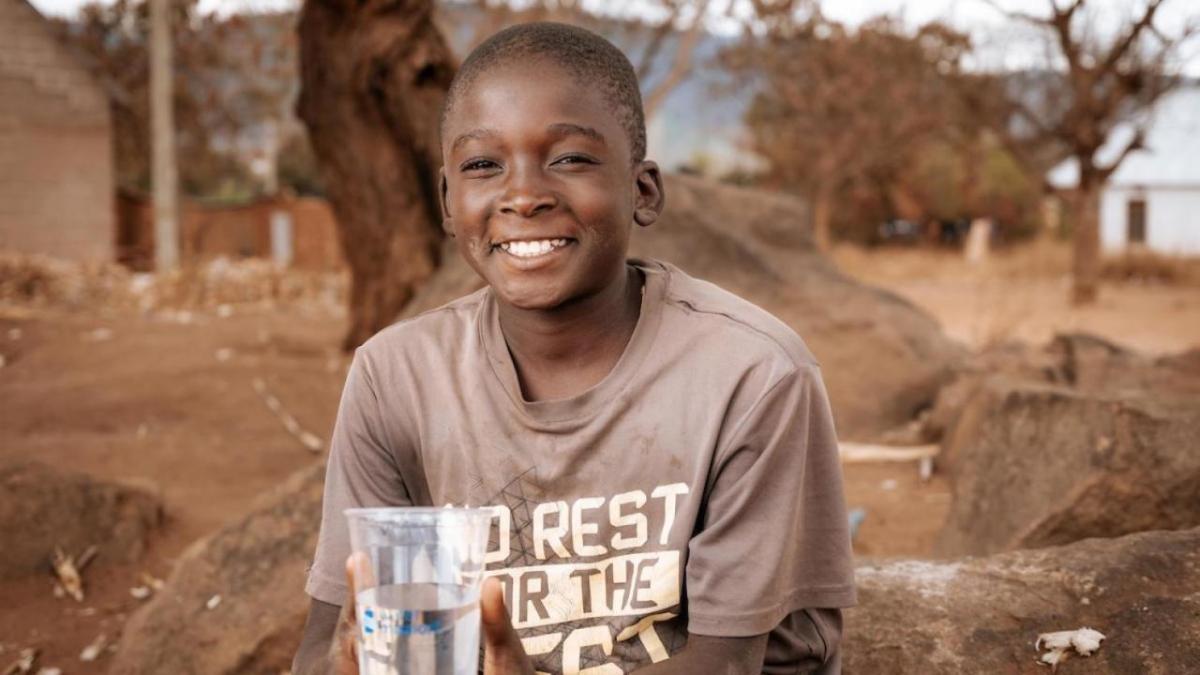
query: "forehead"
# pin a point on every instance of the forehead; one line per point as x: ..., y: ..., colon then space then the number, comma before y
x: 524, y: 98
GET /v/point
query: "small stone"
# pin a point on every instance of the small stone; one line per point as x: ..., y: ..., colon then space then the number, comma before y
x: 140, y: 592
x: 92, y: 651
x: 213, y: 602
x: 49, y: 671
x: 311, y: 441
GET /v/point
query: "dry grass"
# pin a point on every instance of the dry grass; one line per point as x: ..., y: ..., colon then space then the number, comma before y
x: 1150, y: 267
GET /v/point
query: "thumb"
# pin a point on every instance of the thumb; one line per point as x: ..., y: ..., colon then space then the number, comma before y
x: 503, y: 653
x: 497, y: 628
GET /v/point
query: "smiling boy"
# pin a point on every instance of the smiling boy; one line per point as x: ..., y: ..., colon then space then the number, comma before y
x: 659, y: 453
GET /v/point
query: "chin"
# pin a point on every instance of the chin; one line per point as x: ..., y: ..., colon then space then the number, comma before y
x: 531, y: 298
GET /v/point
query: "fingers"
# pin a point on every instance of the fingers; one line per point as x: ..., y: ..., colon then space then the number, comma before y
x: 345, y: 647
x: 504, y: 654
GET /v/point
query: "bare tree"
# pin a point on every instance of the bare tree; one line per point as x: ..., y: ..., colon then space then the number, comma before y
x: 374, y: 74
x: 1108, y: 79
x: 837, y: 105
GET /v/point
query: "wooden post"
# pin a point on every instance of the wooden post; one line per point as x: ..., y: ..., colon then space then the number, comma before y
x: 162, y: 139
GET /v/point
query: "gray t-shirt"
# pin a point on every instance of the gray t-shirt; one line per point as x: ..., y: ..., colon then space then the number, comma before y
x: 696, y: 488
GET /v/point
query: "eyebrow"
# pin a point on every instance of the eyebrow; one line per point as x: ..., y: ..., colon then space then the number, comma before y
x: 557, y: 129
x: 472, y: 135
x: 568, y: 129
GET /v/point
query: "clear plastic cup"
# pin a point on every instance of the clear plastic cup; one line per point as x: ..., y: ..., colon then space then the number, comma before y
x: 417, y: 576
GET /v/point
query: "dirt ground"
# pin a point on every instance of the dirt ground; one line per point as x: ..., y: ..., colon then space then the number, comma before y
x: 168, y: 397
x: 1022, y: 294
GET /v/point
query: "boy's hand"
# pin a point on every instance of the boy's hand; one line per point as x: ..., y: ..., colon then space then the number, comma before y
x: 343, y: 653
x: 503, y: 653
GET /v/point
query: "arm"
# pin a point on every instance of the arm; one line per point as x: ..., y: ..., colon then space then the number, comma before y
x: 312, y: 658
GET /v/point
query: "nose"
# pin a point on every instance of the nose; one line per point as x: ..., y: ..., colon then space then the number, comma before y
x: 526, y: 194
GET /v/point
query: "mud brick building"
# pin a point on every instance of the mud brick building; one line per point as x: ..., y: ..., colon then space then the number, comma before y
x: 56, y: 161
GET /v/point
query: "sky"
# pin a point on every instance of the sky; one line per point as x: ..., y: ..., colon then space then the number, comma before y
x: 1000, y: 44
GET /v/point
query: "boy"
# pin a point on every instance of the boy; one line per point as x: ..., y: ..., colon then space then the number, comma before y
x: 660, y: 453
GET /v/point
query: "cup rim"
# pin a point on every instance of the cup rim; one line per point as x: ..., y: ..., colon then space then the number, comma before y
x: 396, y: 512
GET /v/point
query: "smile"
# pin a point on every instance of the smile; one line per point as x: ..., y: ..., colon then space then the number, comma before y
x: 534, y: 248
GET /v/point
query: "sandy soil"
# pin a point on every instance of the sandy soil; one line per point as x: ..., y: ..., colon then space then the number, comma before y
x: 153, y: 401
x: 150, y: 399
x: 1023, y: 294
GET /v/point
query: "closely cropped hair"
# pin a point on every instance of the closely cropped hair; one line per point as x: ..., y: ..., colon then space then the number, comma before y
x: 584, y: 54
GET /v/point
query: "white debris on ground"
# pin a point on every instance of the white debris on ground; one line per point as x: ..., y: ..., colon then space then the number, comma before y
x: 213, y: 602
x: 306, y: 438
x: 224, y: 354
x: 220, y: 284
x: 49, y: 671
x: 24, y: 662
x: 1083, y: 641
x: 68, y: 571
x: 98, y: 335
x: 141, y: 592
x: 93, y: 651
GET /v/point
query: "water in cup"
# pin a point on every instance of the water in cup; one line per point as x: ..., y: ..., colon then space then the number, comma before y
x: 418, y: 629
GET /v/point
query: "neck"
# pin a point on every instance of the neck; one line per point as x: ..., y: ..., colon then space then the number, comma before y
x: 565, y: 350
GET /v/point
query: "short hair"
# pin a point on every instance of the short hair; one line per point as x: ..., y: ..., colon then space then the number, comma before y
x: 583, y: 53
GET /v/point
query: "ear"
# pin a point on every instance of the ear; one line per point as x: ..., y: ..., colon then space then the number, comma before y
x: 443, y: 201
x: 650, y: 194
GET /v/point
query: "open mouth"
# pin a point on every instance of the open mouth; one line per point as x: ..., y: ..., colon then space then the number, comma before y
x: 532, y: 248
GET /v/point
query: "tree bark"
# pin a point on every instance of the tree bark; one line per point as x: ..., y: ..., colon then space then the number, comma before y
x: 373, y: 77
x: 1086, y: 261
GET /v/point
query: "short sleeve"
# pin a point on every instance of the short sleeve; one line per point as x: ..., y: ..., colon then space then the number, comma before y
x: 773, y: 536
x: 362, y: 472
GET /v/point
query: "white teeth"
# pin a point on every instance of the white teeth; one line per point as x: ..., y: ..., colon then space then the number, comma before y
x: 530, y: 249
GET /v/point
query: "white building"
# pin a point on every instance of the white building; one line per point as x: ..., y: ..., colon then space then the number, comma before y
x: 1153, y: 198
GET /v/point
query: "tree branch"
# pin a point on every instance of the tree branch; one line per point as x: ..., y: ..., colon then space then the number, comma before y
x: 1138, y: 142
x: 681, y: 66
x: 1122, y: 46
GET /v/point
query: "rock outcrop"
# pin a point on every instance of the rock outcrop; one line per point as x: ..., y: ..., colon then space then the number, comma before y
x: 42, y: 508
x: 883, y: 359
x: 235, y: 601
x: 982, y: 615
x: 1094, y: 441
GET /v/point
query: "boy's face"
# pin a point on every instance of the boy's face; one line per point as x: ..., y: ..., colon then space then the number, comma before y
x: 539, y: 188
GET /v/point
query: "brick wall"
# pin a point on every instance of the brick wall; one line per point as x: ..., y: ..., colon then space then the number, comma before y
x: 56, y: 164
x: 244, y: 231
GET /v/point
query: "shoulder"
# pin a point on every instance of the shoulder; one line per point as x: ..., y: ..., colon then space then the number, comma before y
x: 735, y: 326
x: 425, y: 336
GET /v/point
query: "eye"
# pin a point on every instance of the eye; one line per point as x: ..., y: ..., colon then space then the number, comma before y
x: 478, y: 164
x: 574, y: 158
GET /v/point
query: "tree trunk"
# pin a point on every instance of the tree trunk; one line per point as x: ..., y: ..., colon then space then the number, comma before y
x: 373, y: 76
x: 822, y: 216
x: 1086, y: 223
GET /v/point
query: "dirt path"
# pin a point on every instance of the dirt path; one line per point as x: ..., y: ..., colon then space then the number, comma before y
x: 123, y: 396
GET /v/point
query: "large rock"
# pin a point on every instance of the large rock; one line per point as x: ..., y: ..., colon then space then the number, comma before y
x: 256, y: 567
x: 983, y: 615
x: 42, y: 508
x: 883, y: 359
x: 1099, y: 443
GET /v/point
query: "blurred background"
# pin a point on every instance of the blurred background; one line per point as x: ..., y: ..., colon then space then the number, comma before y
x: 980, y: 214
